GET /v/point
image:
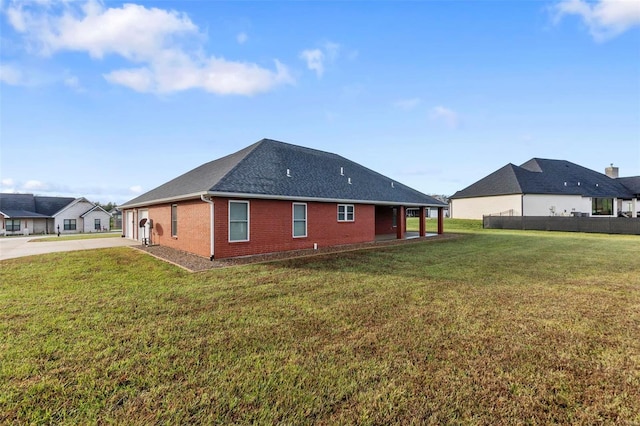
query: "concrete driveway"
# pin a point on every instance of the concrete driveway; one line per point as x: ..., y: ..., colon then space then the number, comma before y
x: 11, y: 247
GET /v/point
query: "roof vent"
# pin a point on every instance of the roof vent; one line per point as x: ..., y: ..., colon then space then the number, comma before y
x: 392, y: 185
x: 578, y: 183
x: 288, y: 173
x: 565, y: 184
x: 349, y: 180
x: 341, y: 171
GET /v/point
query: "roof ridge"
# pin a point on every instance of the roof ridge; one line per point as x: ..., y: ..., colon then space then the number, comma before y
x: 250, y: 149
x: 515, y: 170
x: 345, y: 159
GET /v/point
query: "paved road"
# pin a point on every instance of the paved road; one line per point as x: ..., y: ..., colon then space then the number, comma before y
x: 11, y: 247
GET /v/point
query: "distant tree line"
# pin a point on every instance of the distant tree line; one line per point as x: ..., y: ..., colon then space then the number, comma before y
x: 110, y: 205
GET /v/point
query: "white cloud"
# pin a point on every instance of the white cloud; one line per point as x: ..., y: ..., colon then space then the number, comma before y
x: 332, y: 50
x: 407, y: 104
x: 73, y: 82
x: 138, y: 79
x: 11, y: 75
x: 242, y: 38
x: 317, y: 59
x: 99, y: 192
x: 7, y: 185
x: 32, y: 185
x: 604, y: 18
x: 165, y: 46
x: 446, y: 116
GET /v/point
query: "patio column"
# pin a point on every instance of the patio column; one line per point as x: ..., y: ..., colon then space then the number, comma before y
x: 402, y: 223
x: 634, y: 207
x: 423, y: 230
x: 440, y: 220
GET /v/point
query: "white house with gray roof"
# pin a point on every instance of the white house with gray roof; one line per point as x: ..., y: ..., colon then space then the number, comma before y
x: 543, y: 187
x: 24, y: 214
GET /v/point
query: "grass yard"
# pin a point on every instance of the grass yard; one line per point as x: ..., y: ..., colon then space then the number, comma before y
x: 77, y: 237
x: 496, y: 327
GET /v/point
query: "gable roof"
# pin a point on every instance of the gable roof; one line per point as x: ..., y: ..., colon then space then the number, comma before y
x: 544, y: 176
x: 273, y: 169
x: 93, y: 209
x: 632, y: 183
x: 30, y: 206
x: 73, y: 202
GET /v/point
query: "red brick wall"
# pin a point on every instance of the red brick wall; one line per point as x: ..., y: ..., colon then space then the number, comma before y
x: 384, y: 220
x: 270, y: 227
x: 193, y: 227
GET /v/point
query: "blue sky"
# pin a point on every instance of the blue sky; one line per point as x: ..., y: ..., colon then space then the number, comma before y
x: 109, y: 99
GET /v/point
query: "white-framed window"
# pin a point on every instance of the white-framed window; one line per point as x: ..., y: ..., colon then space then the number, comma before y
x: 96, y: 224
x: 238, y: 221
x: 346, y: 213
x: 69, y: 224
x: 12, y: 225
x: 174, y: 220
x: 299, y: 220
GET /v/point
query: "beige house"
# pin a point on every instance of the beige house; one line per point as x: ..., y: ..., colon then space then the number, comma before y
x: 542, y: 187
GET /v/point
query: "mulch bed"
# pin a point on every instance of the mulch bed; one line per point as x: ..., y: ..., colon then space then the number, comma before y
x: 195, y: 263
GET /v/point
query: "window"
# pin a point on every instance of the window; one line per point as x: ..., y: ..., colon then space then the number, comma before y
x: 69, y: 224
x: 174, y: 220
x: 299, y: 220
x: 345, y: 213
x: 602, y: 206
x: 96, y: 224
x: 238, y: 221
x: 13, y: 225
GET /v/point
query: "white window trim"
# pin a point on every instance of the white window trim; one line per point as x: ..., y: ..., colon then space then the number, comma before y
x: 174, y: 234
x: 229, y: 221
x: 293, y: 220
x: 345, y: 213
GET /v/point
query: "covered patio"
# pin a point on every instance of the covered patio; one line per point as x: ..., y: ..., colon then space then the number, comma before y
x: 391, y: 222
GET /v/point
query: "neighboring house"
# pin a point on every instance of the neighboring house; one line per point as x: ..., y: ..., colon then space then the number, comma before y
x: 116, y: 218
x: 271, y: 197
x: 33, y: 214
x: 96, y: 219
x: 542, y: 187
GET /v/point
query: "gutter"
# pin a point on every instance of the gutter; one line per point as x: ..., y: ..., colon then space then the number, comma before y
x: 274, y: 197
x: 211, y: 224
x: 321, y: 200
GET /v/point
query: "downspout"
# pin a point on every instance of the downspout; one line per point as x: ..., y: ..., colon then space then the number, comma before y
x: 211, y: 224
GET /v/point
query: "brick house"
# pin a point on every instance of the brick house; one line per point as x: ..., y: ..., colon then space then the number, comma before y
x: 273, y: 196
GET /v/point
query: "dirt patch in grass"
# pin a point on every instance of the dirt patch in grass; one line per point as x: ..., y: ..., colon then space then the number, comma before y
x: 195, y: 263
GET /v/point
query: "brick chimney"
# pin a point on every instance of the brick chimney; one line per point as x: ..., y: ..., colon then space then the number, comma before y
x: 611, y: 171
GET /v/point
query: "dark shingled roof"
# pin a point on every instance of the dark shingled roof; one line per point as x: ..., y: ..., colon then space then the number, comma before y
x: 52, y: 205
x: 542, y: 176
x: 260, y: 170
x: 632, y: 183
x: 30, y: 206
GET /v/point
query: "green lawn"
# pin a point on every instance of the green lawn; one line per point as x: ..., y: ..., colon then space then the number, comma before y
x: 494, y: 327
x: 77, y: 237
